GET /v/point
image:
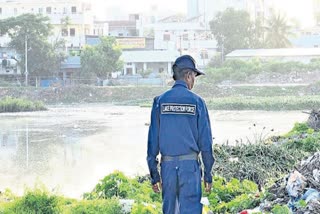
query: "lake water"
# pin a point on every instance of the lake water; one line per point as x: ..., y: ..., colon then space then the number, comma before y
x: 69, y: 148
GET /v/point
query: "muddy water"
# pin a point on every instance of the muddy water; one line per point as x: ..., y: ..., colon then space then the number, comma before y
x: 69, y: 148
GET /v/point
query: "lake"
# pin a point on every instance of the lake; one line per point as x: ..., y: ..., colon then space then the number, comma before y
x: 69, y: 148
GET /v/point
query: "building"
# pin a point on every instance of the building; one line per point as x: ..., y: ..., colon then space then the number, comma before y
x: 208, y: 9
x: 138, y: 55
x: 8, y: 62
x: 159, y: 62
x: 306, y: 38
x: 188, y: 36
x: 71, y: 19
x: 303, y: 55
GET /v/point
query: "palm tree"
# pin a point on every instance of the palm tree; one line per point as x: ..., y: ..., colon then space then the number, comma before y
x: 277, y: 32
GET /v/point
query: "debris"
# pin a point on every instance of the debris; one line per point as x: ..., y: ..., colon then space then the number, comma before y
x: 310, y: 168
x: 301, y: 184
x: 296, y: 184
x: 314, y: 119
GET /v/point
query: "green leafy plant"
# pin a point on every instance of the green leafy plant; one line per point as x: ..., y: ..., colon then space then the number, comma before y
x: 281, y: 209
x: 110, y: 206
x: 36, y: 201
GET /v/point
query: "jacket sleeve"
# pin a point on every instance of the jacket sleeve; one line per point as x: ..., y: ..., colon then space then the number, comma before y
x: 153, y: 143
x: 205, y: 141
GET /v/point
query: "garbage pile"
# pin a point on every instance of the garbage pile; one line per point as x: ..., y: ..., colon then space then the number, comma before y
x: 300, y: 190
x: 314, y: 119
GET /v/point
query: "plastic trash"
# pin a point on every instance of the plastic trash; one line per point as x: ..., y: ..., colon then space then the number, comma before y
x: 296, y: 184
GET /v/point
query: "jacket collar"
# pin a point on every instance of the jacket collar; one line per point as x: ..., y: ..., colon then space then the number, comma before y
x: 180, y: 83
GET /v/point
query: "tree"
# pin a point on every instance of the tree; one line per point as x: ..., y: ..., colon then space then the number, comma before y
x: 102, y: 59
x: 43, y: 58
x: 277, y: 32
x: 232, y: 29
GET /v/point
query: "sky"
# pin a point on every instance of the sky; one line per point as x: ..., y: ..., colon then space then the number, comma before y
x: 108, y: 9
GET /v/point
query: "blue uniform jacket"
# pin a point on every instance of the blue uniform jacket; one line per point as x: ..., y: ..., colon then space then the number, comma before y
x: 179, y: 125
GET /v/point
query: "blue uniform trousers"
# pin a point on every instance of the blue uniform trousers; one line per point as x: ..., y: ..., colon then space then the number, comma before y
x: 181, y: 187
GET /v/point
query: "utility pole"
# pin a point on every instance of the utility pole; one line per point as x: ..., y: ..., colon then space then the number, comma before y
x: 26, y: 59
x: 222, y: 50
x: 180, y: 37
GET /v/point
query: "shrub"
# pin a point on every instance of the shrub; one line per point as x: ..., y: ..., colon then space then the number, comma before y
x: 34, y: 202
x: 118, y: 185
x: 9, y: 104
x: 110, y: 206
x: 257, y: 162
x: 142, y: 208
x: 233, y: 196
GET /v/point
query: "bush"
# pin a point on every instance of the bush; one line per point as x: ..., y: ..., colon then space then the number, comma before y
x: 239, y: 70
x: 146, y: 209
x: 232, y: 196
x: 264, y: 103
x: 110, y: 206
x: 34, y: 202
x: 9, y: 104
x: 257, y: 162
x: 118, y: 185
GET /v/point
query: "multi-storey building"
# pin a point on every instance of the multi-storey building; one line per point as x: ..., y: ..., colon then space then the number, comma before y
x: 188, y: 36
x: 71, y: 19
x: 208, y: 9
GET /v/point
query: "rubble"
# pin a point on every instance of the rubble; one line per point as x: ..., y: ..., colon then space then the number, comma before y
x: 301, y: 184
x: 314, y: 119
x: 310, y: 168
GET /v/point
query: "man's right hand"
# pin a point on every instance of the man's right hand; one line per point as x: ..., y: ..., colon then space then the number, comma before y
x: 156, y: 187
x: 207, y: 186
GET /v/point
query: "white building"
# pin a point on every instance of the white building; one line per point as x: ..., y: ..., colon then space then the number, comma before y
x: 156, y: 61
x: 209, y: 8
x: 188, y: 36
x: 303, y: 55
x: 80, y: 19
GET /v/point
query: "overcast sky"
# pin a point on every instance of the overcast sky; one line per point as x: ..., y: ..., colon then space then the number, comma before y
x: 106, y: 9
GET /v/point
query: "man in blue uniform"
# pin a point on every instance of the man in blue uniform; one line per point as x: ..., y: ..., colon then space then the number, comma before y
x: 180, y: 130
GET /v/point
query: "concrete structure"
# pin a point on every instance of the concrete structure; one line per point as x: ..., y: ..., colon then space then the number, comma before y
x: 306, y: 38
x: 303, y: 55
x: 125, y: 27
x: 188, y: 36
x: 71, y: 19
x: 208, y: 9
x: 8, y: 62
x: 100, y: 28
x: 70, y: 68
x: 159, y: 62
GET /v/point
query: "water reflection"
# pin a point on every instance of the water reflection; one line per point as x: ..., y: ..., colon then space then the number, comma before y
x: 70, y: 148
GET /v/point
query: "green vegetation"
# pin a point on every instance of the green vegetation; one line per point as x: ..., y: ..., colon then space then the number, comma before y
x: 39, y: 200
x: 120, y: 186
x: 110, y: 206
x: 233, y: 196
x: 272, y: 32
x: 101, y: 60
x: 239, y: 70
x: 257, y: 161
x: 9, y: 104
x: 277, y: 103
x: 243, y: 173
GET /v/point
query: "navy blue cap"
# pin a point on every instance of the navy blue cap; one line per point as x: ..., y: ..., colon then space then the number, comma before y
x: 187, y: 62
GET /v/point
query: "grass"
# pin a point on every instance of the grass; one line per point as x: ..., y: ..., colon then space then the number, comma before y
x: 9, y: 104
x: 275, y: 103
